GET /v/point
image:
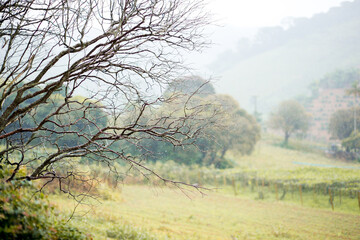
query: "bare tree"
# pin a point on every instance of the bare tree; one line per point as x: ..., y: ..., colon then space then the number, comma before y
x: 119, y: 55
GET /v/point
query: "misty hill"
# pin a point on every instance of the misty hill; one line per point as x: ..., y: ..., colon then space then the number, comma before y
x: 280, y: 64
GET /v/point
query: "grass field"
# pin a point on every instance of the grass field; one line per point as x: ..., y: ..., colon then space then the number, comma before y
x: 169, y: 213
x: 266, y: 156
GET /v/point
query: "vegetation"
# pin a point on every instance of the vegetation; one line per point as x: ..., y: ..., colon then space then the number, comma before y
x: 343, y: 78
x: 170, y: 213
x: 290, y: 117
x: 343, y: 126
x: 232, y: 129
x: 190, y: 85
x: 93, y: 93
x: 127, y: 232
x: 25, y: 215
x: 237, y: 131
x: 354, y: 91
x: 273, y: 69
x: 120, y: 55
x: 340, y: 78
x: 352, y: 142
x: 342, y: 123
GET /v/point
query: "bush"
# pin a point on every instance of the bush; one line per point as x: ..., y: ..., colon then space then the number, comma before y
x: 126, y: 232
x: 25, y: 215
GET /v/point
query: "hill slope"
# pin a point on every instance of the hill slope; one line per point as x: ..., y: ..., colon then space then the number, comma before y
x: 289, y: 60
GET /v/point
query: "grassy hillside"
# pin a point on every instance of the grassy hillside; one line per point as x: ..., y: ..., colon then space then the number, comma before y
x: 286, y: 70
x: 268, y: 155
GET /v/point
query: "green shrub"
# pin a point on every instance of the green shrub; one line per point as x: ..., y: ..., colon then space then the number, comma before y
x: 126, y: 232
x: 25, y: 215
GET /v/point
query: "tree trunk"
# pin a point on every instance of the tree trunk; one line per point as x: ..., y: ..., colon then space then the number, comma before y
x: 223, y: 151
x: 286, y: 139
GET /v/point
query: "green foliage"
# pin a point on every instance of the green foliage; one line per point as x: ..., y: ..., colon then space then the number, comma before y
x: 80, y: 117
x: 339, y: 79
x: 309, y: 176
x: 190, y: 85
x: 127, y: 232
x: 352, y: 142
x: 234, y: 129
x: 25, y: 215
x: 290, y: 117
x: 342, y: 123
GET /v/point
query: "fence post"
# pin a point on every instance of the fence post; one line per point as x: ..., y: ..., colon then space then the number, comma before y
x: 301, y: 198
x: 331, y: 199
x: 234, y: 186
x: 314, y: 192
x: 340, y: 195
x: 216, y: 183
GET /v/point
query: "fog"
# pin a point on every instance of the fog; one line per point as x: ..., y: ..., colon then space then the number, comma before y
x: 243, y: 76
x: 111, y: 127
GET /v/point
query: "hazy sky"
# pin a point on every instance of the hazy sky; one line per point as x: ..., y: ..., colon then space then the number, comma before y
x: 258, y: 13
x: 241, y: 18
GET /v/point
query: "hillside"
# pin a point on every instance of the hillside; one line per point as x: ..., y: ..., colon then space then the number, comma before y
x: 282, y: 63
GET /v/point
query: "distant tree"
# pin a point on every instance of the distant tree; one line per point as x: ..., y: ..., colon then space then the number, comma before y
x: 341, y: 123
x: 352, y: 142
x: 289, y: 117
x: 190, y: 85
x: 236, y: 130
x: 354, y: 91
x: 342, y: 127
x: 232, y: 128
x: 339, y: 79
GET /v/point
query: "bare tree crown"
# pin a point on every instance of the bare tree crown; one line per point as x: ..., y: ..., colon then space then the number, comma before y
x: 113, y: 52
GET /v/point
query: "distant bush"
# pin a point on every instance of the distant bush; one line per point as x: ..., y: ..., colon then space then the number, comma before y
x: 25, y: 215
x: 127, y: 232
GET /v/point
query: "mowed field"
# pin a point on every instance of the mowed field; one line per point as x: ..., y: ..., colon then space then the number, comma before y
x: 167, y: 212
x: 172, y: 213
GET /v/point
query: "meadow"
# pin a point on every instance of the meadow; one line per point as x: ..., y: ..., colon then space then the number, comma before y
x: 238, y: 210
